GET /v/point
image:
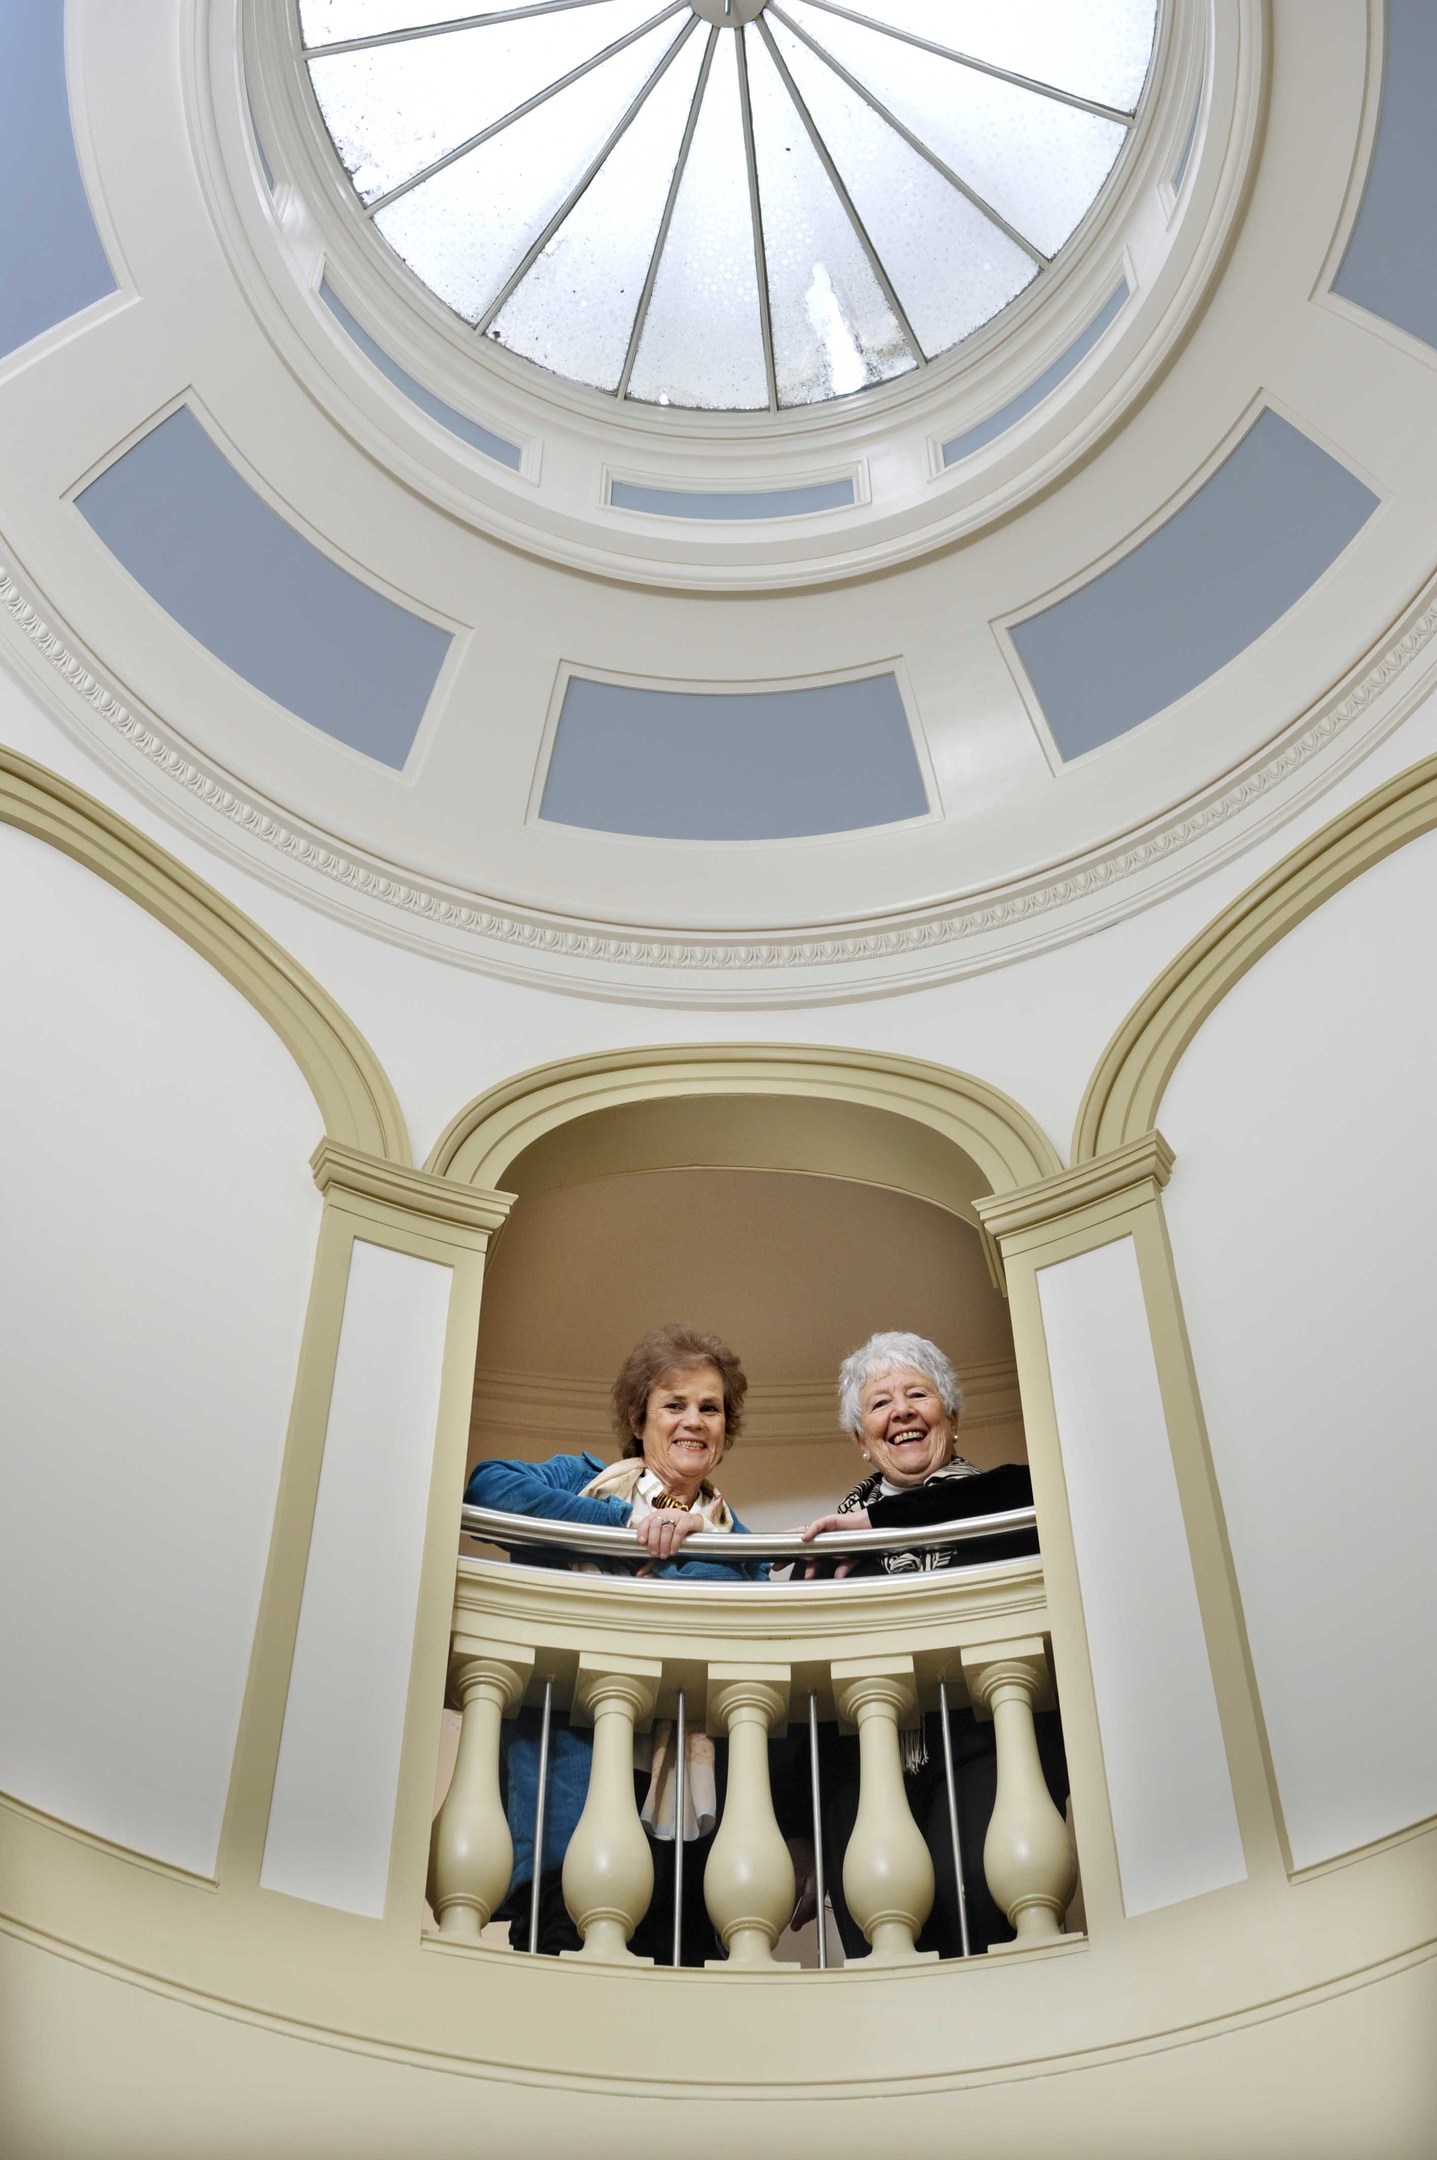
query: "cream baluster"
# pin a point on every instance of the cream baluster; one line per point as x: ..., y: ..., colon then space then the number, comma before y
x: 748, y: 1883
x: 472, y: 1854
x: 1028, y: 1854
x: 887, y: 1874
x: 608, y: 1869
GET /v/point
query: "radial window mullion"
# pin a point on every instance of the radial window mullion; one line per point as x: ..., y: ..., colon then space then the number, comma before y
x: 836, y: 182
x: 411, y: 32
x: 914, y: 142
x: 760, y: 260
x: 636, y: 334
x: 517, y: 277
x: 531, y: 104
x: 981, y: 67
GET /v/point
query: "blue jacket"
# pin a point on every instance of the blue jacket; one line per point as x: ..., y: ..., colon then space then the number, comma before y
x: 554, y: 1489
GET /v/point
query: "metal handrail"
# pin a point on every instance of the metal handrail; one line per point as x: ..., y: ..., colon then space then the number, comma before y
x: 496, y: 1527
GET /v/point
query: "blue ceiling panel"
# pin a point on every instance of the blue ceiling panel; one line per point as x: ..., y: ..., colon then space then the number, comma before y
x: 733, y: 765
x: 51, y: 262
x: 261, y: 597
x: 1238, y: 554
x: 1390, y: 267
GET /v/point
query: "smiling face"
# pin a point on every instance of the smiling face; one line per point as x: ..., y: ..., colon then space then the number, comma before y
x: 683, y: 1428
x: 907, y: 1434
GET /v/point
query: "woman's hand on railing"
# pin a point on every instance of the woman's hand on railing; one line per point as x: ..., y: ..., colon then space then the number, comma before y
x: 663, y: 1531
x: 855, y: 1519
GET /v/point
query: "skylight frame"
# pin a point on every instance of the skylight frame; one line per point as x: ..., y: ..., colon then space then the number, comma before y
x: 751, y: 37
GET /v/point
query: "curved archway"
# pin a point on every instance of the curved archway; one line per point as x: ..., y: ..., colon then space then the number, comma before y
x: 356, y: 1101
x: 936, y: 1110
x: 1123, y: 1097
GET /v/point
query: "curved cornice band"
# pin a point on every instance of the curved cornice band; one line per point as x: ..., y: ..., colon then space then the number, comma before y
x: 1124, y: 1094
x: 356, y: 1101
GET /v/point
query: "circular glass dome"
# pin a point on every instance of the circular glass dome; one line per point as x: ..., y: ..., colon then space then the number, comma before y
x: 729, y: 204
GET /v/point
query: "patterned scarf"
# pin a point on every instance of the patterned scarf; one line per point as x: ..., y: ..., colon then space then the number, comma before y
x: 907, y: 1563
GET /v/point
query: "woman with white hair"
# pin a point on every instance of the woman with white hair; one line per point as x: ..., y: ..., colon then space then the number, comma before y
x: 899, y: 1397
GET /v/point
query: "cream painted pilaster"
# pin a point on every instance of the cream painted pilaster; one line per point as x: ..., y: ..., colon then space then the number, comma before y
x: 1027, y: 1855
x: 748, y: 1883
x: 608, y: 1869
x: 887, y: 1872
x: 473, y: 1853
x: 367, y: 1200
x: 1114, y: 1197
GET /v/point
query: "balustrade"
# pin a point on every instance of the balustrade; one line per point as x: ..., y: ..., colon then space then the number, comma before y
x: 739, y: 1661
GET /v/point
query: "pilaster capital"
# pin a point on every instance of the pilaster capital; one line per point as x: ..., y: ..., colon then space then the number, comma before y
x: 501, y: 1669
x: 1012, y: 1221
x: 631, y: 1683
x: 990, y: 1669
x: 889, y: 1682
x: 348, y: 1172
x: 736, y: 1688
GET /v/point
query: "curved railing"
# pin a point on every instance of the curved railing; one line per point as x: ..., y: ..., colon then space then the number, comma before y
x: 748, y: 1660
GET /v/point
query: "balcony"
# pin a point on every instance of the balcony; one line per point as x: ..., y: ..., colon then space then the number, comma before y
x: 748, y: 1662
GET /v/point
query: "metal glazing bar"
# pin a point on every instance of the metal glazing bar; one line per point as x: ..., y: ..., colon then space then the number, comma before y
x: 980, y: 67
x: 951, y: 1782
x: 760, y: 258
x: 641, y: 312
x: 437, y: 29
x: 540, y: 1797
x: 819, y: 1882
x: 498, y: 1527
x: 913, y: 141
x: 681, y: 1783
x: 540, y: 97
x: 835, y: 181
x: 527, y: 262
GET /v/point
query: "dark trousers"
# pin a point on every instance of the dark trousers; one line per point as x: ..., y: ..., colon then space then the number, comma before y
x: 975, y: 1767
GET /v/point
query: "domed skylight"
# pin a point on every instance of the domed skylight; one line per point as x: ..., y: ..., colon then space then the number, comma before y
x: 731, y: 204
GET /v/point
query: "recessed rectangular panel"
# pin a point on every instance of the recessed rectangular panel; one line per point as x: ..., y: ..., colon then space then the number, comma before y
x: 262, y: 597
x: 51, y: 260
x: 1174, y: 1817
x: 733, y: 765
x: 331, y: 1818
x: 458, y: 423
x: 752, y: 503
x: 1239, y: 553
x: 998, y: 423
x: 1391, y: 262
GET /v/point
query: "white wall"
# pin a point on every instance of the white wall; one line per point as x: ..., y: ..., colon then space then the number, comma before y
x: 156, y: 1242
x: 1302, y: 1212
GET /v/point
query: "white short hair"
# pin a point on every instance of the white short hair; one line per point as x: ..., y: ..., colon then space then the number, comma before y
x: 885, y: 1353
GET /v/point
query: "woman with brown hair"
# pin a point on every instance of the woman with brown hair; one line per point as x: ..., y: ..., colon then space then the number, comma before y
x: 678, y: 1406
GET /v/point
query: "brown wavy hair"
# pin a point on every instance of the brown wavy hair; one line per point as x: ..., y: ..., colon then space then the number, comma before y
x: 672, y: 1349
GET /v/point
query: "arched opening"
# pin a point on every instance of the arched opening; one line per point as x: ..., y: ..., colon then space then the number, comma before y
x: 794, y: 1228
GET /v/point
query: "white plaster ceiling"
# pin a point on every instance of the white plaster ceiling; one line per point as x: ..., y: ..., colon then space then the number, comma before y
x: 534, y: 576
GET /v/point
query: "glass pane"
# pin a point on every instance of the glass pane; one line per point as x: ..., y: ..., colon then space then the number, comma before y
x: 327, y: 22
x: 702, y: 343
x: 1038, y: 163
x: 393, y: 110
x: 833, y: 330
x: 575, y: 310
x: 1099, y: 49
x: 951, y: 267
x: 465, y: 230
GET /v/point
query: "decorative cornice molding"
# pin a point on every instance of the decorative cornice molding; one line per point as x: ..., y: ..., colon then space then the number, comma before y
x: 1140, y: 1170
x: 413, y: 1192
x: 427, y: 911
